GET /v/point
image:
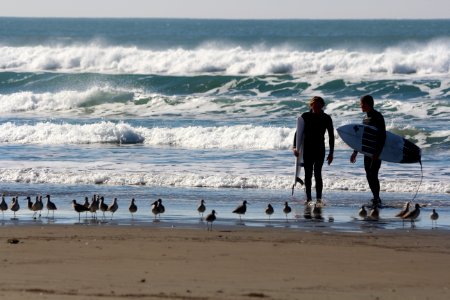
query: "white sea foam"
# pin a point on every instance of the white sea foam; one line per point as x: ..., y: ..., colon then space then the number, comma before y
x: 431, y: 58
x: 245, y: 137
x: 217, y: 180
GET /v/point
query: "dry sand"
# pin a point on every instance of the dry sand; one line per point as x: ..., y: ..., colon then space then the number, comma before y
x: 118, y: 262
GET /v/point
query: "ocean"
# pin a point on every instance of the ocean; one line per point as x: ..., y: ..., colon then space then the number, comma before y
x: 185, y: 110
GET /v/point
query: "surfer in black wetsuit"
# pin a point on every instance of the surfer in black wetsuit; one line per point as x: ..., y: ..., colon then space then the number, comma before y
x: 372, y: 164
x: 316, y: 123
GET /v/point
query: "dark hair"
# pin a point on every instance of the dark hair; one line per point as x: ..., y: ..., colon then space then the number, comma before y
x: 367, y: 99
x: 318, y: 100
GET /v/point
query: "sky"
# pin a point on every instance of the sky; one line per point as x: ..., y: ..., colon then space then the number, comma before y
x: 230, y: 9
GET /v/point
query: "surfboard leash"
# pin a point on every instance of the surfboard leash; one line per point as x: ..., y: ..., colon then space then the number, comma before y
x: 420, y: 183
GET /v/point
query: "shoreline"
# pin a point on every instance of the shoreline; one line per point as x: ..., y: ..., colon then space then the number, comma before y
x: 118, y: 262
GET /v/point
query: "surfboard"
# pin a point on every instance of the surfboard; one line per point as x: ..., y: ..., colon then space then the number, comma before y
x: 299, y: 147
x: 362, y: 138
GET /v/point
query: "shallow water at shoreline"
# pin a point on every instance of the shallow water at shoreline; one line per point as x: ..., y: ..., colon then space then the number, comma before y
x: 340, y: 212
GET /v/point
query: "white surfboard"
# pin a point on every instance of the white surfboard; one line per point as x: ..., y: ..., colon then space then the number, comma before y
x: 299, y: 147
x: 362, y: 138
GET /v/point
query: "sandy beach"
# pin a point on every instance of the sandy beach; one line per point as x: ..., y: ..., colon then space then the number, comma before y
x: 118, y: 262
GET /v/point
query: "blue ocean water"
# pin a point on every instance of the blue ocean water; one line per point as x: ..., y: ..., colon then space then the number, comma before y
x: 190, y: 109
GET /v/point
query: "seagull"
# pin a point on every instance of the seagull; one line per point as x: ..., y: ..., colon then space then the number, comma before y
x: 15, y: 205
x: 50, y: 206
x: 241, y: 209
x: 37, y: 206
x: 210, y: 219
x: 269, y: 210
x: 434, y: 216
x: 374, y: 213
x: 201, y: 208
x: 362, y: 212
x: 287, y: 209
x: 3, y: 206
x: 113, y: 207
x: 79, y: 208
x: 132, y: 208
x: 413, y: 214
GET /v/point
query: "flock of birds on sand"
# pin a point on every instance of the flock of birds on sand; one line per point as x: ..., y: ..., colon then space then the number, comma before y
x: 157, y: 208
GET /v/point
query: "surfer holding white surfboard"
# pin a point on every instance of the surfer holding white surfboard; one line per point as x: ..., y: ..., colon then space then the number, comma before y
x: 309, y: 145
x: 372, y: 163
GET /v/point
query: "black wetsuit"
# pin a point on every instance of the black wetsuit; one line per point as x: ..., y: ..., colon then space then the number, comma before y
x: 314, y: 148
x: 372, y: 166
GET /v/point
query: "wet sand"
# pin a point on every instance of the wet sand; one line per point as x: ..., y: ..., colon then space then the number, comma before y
x: 142, y: 262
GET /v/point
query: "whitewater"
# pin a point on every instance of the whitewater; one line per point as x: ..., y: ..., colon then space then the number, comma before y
x: 183, y: 109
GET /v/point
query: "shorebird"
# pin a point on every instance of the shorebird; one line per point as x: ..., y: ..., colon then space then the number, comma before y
x: 132, y: 208
x: 269, y: 210
x: 86, y: 204
x: 94, y: 206
x: 37, y: 207
x: 210, y: 219
x: 374, y: 213
x: 14, y: 206
x: 103, y: 206
x: 155, y: 210
x: 113, y: 207
x: 241, y: 209
x: 404, y: 210
x: 30, y: 203
x: 362, y: 212
x: 434, y: 216
x: 3, y: 206
x: 287, y: 209
x: 413, y: 214
x: 79, y: 208
x: 201, y: 208
x: 161, y: 208
x: 50, y: 206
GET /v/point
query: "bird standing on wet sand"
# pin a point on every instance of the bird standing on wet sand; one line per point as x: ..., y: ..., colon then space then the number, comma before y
x: 37, y: 207
x: 14, y: 206
x: 3, y: 205
x: 404, y: 210
x: 241, y: 209
x: 155, y: 208
x: 287, y: 209
x: 132, y: 208
x: 79, y: 208
x: 30, y: 203
x: 413, y: 214
x: 113, y: 207
x: 94, y: 206
x: 434, y: 216
x: 103, y: 206
x: 362, y: 212
x: 210, y: 219
x: 269, y: 210
x: 50, y: 206
x: 201, y: 208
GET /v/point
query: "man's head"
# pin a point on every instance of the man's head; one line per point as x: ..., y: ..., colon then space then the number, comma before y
x: 366, y: 103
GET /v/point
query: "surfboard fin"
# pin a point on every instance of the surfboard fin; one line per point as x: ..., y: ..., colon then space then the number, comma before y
x: 299, y: 180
